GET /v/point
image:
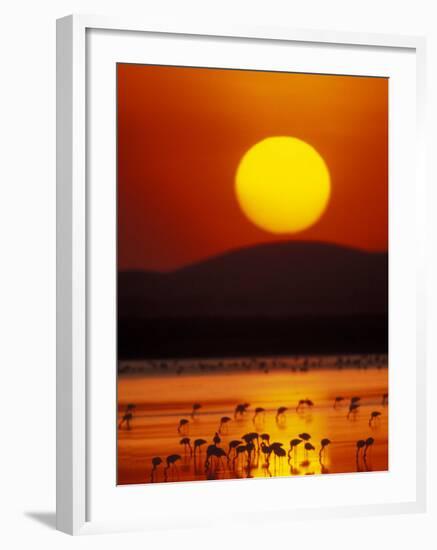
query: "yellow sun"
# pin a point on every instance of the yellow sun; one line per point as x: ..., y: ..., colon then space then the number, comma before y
x: 283, y: 185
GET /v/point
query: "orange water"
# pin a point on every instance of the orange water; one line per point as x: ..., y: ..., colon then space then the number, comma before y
x: 162, y: 400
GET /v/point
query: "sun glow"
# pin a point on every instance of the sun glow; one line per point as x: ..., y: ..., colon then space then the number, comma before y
x: 283, y: 185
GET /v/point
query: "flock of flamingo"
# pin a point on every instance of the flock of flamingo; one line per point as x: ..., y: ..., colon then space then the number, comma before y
x: 254, y: 449
x: 295, y: 364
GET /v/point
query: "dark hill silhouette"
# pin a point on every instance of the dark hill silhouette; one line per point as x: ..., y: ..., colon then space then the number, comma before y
x: 285, y: 297
x: 286, y: 278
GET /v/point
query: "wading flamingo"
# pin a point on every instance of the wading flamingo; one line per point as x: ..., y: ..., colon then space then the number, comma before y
x: 240, y: 409
x: 258, y: 410
x: 223, y: 421
x: 183, y: 425
x: 171, y: 463
x: 280, y: 413
x: 186, y: 442
x: 323, y: 444
x: 196, y: 407
x: 198, y: 444
x: 373, y: 416
x: 337, y: 401
x: 156, y: 461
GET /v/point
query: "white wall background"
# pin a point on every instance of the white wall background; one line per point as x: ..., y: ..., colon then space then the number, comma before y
x: 27, y: 287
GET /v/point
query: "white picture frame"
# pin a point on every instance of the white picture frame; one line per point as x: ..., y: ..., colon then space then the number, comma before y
x: 75, y: 214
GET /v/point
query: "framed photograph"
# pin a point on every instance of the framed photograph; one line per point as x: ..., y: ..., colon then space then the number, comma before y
x: 241, y: 268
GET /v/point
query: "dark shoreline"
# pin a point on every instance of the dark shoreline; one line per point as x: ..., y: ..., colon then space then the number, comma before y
x: 179, y: 338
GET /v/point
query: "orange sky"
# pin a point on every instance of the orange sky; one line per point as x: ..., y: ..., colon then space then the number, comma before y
x: 182, y: 132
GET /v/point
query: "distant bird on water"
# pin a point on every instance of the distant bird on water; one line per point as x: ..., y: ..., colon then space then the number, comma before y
x: 373, y: 416
x: 196, y: 407
x: 323, y: 444
x: 240, y: 409
x: 183, y: 424
x: 258, y: 411
x: 156, y: 461
x: 280, y: 413
x: 223, y: 421
x: 186, y: 442
x: 198, y: 444
x: 171, y: 463
x: 337, y: 401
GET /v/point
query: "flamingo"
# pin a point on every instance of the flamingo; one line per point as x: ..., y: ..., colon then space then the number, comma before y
x: 240, y: 409
x: 304, y: 403
x: 238, y: 451
x: 223, y: 421
x: 171, y: 463
x: 183, y: 423
x: 198, y: 444
x: 186, y: 442
x: 267, y: 451
x: 212, y: 451
x: 305, y: 436
x: 196, y: 407
x: 293, y: 444
x: 360, y: 444
x: 368, y: 443
x: 265, y: 437
x: 353, y: 408
x: 258, y: 411
x: 156, y: 461
x: 127, y: 417
x: 337, y: 401
x: 309, y: 447
x: 216, y: 439
x: 280, y: 413
x: 323, y: 444
x: 233, y: 445
x: 373, y: 416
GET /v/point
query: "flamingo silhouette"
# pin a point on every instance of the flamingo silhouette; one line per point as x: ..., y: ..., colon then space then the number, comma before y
x: 198, y: 444
x: 305, y: 436
x: 267, y: 451
x: 309, y: 447
x: 216, y: 439
x: 323, y: 444
x: 238, y: 451
x: 240, y: 409
x: 223, y: 421
x: 265, y: 437
x: 213, y: 451
x: 183, y: 424
x: 353, y: 408
x: 186, y: 442
x: 304, y: 403
x: 171, y: 463
x: 156, y: 461
x: 233, y: 445
x: 127, y: 417
x: 368, y: 443
x: 293, y: 444
x: 360, y: 445
x: 196, y: 407
x: 337, y: 401
x: 250, y: 437
x: 278, y: 451
x: 280, y: 413
x: 373, y: 416
x: 258, y: 411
